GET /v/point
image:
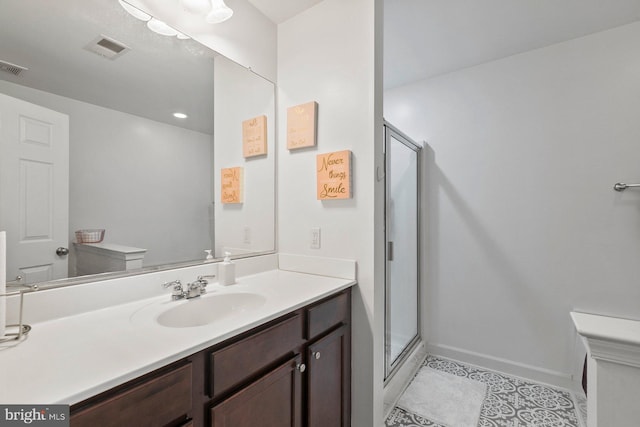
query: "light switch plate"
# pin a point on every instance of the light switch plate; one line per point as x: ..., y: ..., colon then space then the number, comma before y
x: 315, y: 237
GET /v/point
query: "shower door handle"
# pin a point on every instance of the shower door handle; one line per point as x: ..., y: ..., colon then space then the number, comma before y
x: 389, y: 251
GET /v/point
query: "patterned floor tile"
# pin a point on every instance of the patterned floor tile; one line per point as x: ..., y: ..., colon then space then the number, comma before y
x: 510, y: 402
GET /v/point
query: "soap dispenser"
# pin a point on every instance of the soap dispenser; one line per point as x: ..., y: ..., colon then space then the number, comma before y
x: 226, y: 271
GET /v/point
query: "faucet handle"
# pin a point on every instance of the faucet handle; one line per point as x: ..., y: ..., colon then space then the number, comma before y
x: 177, y: 292
x: 174, y: 283
x: 203, y: 279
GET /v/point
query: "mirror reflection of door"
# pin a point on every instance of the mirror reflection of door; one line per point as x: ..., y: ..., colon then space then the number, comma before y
x: 34, y: 189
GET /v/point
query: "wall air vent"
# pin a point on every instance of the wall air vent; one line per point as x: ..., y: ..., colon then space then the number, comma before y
x: 107, y: 47
x: 14, y: 69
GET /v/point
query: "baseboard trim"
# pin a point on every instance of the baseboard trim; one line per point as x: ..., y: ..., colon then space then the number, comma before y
x: 509, y: 367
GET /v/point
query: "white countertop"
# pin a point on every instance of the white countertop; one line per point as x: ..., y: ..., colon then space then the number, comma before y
x: 69, y: 359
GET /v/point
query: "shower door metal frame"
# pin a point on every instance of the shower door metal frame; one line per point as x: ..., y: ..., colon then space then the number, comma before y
x: 391, y: 366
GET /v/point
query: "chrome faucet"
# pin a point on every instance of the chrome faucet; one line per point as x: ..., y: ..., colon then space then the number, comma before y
x: 204, y: 280
x: 177, y: 292
x: 194, y: 289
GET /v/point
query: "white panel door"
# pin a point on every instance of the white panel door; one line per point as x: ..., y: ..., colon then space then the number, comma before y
x: 34, y: 189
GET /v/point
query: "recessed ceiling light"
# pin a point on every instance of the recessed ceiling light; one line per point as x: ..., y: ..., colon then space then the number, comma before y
x: 180, y: 115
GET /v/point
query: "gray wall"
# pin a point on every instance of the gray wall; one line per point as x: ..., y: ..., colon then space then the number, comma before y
x: 147, y: 183
x: 524, y: 224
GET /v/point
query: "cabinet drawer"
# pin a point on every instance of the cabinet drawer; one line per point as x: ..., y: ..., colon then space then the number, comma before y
x: 327, y: 314
x: 155, y: 402
x: 238, y: 362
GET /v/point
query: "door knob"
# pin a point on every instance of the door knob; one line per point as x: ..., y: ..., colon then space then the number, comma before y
x: 316, y: 354
x: 301, y: 367
x: 62, y: 251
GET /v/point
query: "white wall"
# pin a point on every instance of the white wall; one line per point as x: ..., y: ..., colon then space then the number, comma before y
x: 129, y: 174
x: 241, y: 95
x: 327, y: 54
x: 524, y: 224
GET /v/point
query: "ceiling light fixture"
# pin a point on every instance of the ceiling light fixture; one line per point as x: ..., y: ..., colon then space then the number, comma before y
x: 196, y: 6
x: 153, y: 24
x: 157, y: 26
x: 220, y: 12
x: 135, y: 12
x: 180, y: 115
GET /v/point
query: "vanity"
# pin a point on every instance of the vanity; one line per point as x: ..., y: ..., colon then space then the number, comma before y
x: 286, y: 361
x: 263, y: 373
x: 613, y: 368
x: 114, y: 346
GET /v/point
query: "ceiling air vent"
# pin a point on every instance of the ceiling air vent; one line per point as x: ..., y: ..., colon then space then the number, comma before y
x: 14, y: 69
x: 107, y: 47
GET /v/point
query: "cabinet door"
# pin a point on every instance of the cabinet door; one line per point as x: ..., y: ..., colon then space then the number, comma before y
x: 274, y: 400
x: 329, y: 380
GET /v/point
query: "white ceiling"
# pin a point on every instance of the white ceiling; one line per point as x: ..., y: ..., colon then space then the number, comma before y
x: 279, y: 11
x: 157, y: 77
x: 424, y: 38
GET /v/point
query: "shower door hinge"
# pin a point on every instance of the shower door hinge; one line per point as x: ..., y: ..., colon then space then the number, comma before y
x: 389, y: 251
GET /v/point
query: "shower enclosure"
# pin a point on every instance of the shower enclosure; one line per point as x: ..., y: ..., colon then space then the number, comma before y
x: 402, y: 216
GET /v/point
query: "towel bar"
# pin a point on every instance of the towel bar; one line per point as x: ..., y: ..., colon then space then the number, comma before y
x: 22, y: 329
x: 621, y: 186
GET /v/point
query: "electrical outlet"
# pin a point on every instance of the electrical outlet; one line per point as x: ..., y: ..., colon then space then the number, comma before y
x: 315, y: 237
x: 247, y: 234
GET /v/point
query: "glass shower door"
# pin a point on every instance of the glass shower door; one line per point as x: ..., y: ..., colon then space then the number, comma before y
x: 402, y: 251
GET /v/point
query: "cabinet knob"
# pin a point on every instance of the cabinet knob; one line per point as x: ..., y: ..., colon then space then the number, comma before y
x: 301, y: 367
x: 316, y: 354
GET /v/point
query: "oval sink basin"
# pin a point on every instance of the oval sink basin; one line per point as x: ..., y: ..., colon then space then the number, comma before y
x: 209, y: 308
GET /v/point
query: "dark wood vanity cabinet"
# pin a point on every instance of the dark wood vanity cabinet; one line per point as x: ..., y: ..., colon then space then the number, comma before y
x: 294, y: 371
x: 328, y: 359
x: 329, y: 381
x: 163, y: 397
x: 273, y: 400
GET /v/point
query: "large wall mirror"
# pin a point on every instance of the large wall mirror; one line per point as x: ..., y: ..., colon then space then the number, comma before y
x: 89, y: 140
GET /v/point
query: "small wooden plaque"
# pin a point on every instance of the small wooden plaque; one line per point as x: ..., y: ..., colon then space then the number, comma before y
x: 334, y: 175
x: 302, y: 125
x: 232, y: 185
x: 254, y: 137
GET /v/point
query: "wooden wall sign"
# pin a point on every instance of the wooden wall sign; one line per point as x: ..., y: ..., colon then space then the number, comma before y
x: 254, y: 137
x: 231, y: 185
x: 334, y: 175
x: 302, y: 125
